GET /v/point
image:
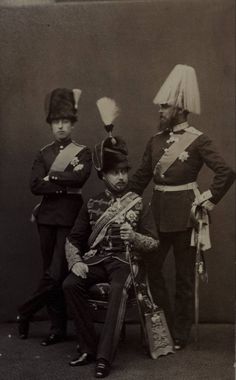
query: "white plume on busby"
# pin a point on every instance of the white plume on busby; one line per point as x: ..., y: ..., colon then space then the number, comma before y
x: 108, y: 110
x: 180, y: 89
x: 111, y: 152
x: 77, y: 93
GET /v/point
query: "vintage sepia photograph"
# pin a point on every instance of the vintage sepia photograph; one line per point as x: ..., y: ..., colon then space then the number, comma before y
x: 117, y: 189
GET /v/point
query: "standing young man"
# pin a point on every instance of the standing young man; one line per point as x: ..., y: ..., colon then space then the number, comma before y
x: 58, y: 174
x: 173, y: 158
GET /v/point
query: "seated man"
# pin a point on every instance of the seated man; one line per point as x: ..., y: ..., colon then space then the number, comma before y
x: 104, y: 226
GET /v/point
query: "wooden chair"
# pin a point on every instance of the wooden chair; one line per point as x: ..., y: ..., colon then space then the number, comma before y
x: 98, y: 301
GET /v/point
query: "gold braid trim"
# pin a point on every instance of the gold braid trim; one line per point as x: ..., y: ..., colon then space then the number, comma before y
x: 143, y: 243
x: 72, y: 254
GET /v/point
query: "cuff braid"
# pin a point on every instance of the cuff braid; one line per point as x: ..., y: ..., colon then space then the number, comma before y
x: 143, y: 243
x: 72, y: 254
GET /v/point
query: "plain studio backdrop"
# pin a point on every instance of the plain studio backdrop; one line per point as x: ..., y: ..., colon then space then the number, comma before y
x: 125, y: 50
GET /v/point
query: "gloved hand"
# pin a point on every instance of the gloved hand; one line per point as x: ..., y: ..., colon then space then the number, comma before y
x: 80, y: 269
x: 126, y: 232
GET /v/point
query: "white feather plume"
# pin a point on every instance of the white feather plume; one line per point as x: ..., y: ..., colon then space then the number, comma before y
x: 108, y: 110
x: 180, y: 89
x: 76, y: 92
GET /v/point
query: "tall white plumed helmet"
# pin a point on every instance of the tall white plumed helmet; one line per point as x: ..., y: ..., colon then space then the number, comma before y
x: 180, y: 89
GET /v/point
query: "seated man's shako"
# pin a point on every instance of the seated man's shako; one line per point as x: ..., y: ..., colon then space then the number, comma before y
x: 110, y: 154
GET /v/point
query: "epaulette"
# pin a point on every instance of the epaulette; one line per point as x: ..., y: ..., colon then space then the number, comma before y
x: 82, y: 146
x: 193, y: 131
x: 47, y: 146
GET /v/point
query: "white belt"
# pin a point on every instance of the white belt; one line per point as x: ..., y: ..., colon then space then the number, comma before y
x: 187, y: 186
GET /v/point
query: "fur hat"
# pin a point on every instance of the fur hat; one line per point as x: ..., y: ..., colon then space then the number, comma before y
x: 110, y: 154
x: 180, y: 89
x: 61, y: 104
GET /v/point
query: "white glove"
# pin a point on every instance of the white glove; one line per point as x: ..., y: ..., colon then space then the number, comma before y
x: 208, y: 205
x: 80, y: 269
x: 126, y: 232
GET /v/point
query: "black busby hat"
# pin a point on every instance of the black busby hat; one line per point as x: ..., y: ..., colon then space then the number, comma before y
x: 112, y: 152
x: 62, y: 104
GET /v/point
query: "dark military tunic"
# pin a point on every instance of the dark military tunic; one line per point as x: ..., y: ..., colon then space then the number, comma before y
x: 111, y: 245
x: 171, y: 210
x: 62, y: 193
x: 55, y: 214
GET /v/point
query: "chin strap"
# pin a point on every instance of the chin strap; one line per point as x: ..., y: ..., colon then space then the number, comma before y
x: 108, y: 183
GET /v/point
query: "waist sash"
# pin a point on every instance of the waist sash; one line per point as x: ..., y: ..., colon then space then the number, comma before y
x: 187, y: 186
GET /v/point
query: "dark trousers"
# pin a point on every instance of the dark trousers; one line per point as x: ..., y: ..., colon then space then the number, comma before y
x: 180, y: 323
x: 49, y: 291
x: 76, y: 288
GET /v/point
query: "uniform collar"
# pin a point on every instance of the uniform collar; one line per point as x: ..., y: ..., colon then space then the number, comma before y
x: 180, y: 127
x: 113, y: 195
x: 62, y: 144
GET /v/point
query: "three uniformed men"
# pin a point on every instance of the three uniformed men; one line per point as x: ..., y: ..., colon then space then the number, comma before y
x: 95, y: 248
